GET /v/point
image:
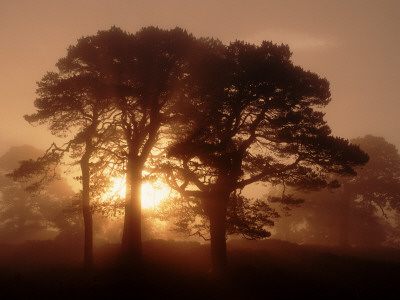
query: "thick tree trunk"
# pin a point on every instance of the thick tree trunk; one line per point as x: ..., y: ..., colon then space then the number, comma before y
x: 131, y: 246
x: 87, y: 214
x: 216, y: 211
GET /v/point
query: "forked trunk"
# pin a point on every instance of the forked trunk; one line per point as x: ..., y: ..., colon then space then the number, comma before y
x: 131, y: 246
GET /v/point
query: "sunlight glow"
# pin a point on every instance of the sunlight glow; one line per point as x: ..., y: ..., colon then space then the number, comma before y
x: 152, y: 194
x: 119, y: 187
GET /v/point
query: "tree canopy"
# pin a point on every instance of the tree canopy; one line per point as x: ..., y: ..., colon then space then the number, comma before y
x: 254, y: 116
x: 213, y: 118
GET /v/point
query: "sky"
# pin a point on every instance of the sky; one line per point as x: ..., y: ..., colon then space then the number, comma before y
x: 354, y: 44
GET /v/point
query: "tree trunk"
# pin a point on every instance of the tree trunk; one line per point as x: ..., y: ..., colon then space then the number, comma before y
x: 131, y: 246
x: 344, y: 226
x: 216, y: 211
x: 87, y: 214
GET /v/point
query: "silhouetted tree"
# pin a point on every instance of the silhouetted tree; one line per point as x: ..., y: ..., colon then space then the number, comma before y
x: 142, y: 75
x: 253, y: 116
x: 117, y: 91
x: 76, y: 102
x: 151, y: 87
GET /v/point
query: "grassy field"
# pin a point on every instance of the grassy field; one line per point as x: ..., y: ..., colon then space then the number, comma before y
x: 270, y: 269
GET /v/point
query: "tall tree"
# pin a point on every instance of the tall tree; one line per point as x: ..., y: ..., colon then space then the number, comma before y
x: 149, y: 93
x: 110, y: 84
x: 254, y: 117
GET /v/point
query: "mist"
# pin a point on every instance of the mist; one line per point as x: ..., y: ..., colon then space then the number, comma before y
x: 242, y: 173
x: 41, y: 251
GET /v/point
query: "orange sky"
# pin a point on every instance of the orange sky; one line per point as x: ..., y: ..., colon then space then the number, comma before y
x: 354, y: 44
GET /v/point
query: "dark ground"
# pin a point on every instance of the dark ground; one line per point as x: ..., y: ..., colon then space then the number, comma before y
x: 268, y: 269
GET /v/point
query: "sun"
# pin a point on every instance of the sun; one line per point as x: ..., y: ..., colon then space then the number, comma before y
x: 152, y: 194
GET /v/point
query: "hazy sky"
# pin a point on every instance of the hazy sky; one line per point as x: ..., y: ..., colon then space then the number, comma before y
x: 354, y: 44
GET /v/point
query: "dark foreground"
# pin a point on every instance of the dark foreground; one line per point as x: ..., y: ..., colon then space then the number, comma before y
x: 175, y: 270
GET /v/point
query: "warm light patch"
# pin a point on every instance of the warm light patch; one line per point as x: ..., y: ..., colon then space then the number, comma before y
x: 152, y: 194
x: 118, y: 188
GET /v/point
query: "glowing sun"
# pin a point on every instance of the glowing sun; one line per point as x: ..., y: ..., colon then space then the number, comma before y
x: 152, y: 194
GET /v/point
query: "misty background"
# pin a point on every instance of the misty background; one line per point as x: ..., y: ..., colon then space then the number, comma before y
x: 354, y: 44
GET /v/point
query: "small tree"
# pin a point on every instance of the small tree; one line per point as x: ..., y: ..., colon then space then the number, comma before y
x: 361, y: 212
x: 376, y: 189
x: 29, y: 216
